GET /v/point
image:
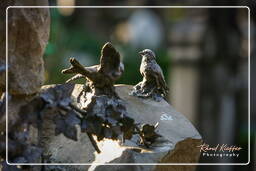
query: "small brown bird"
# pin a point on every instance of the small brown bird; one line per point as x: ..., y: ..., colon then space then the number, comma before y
x: 153, y: 79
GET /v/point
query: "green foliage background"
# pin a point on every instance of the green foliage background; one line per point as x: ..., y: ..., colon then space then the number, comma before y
x: 67, y: 37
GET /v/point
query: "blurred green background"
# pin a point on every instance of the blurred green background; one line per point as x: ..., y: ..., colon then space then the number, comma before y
x: 82, y: 33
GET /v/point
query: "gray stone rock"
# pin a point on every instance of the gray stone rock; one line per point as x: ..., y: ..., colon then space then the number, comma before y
x: 177, y: 144
x: 28, y: 32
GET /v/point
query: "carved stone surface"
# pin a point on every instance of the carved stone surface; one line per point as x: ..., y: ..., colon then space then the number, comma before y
x: 153, y: 84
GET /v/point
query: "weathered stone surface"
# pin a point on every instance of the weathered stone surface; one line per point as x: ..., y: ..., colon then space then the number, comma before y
x: 28, y: 32
x: 177, y: 144
x: 60, y: 149
x: 22, y: 56
x: 3, y: 6
x: 14, y: 106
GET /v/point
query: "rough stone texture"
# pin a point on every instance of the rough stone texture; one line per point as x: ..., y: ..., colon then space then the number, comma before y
x: 178, y: 144
x: 60, y: 149
x: 28, y: 32
x: 23, y: 58
x: 3, y: 6
x: 14, y: 105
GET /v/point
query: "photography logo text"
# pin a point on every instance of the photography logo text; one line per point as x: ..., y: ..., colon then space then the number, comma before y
x: 220, y: 150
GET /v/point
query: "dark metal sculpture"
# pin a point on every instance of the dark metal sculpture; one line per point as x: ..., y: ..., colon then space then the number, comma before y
x: 153, y: 84
x: 105, y: 113
x: 99, y: 77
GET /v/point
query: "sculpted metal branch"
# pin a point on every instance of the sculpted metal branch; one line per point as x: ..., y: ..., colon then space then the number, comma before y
x: 99, y: 77
x: 153, y: 83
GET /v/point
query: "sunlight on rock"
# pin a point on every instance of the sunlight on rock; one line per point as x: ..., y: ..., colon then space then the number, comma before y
x: 110, y: 150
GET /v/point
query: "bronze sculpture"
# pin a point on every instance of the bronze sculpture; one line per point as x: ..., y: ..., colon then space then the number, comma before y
x: 153, y: 83
x: 99, y: 77
x: 103, y: 112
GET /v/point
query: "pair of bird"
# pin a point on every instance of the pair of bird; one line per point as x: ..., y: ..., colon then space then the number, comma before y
x: 112, y: 67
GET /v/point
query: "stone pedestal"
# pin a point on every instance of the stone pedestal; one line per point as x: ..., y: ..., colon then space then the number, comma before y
x: 177, y: 144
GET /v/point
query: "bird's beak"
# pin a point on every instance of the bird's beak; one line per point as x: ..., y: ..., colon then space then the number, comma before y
x: 141, y: 53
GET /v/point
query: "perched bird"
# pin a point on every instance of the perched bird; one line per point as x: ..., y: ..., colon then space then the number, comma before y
x: 153, y: 78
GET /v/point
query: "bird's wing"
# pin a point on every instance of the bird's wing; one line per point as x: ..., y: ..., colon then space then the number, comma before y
x: 110, y: 59
x: 160, y: 76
